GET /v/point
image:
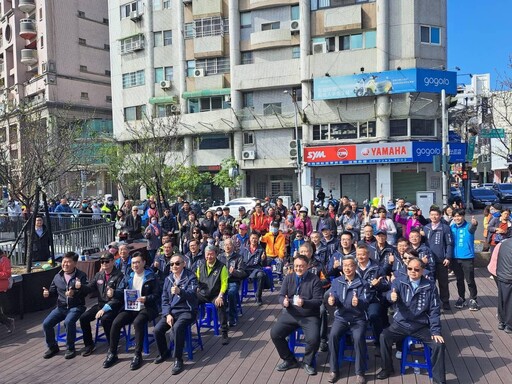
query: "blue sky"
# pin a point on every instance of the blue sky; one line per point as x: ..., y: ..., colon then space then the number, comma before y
x: 480, y: 37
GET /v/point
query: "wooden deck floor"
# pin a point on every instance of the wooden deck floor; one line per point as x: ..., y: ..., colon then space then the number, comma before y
x: 476, y: 353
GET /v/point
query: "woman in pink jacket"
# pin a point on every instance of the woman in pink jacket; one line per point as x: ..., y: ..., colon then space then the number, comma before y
x: 303, y: 222
x: 5, y: 274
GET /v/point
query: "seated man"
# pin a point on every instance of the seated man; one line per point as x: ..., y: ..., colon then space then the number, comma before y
x: 124, y: 263
x: 418, y: 315
x: 350, y: 295
x: 254, y: 258
x: 179, y: 310
x: 69, y: 285
x: 301, y: 296
x: 212, y: 279
x: 145, y: 283
x: 107, y: 307
x: 236, y: 272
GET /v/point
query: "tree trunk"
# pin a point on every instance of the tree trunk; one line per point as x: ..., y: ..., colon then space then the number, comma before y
x: 49, y: 226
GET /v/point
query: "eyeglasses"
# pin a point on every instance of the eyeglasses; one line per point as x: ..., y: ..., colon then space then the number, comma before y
x: 104, y: 261
x: 413, y: 269
x: 175, y: 263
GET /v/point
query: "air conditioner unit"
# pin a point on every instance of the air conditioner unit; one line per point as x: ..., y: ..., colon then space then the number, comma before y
x: 165, y: 84
x: 227, y: 98
x: 294, y: 26
x: 199, y: 72
x: 319, y: 48
x: 135, y: 15
x: 248, y: 155
x: 175, y: 108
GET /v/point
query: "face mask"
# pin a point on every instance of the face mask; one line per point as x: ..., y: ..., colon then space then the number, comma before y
x: 154, y: 222
x: 274, y: 230
x: 211, y: 242
x: 410, y: 213
x: 290, y: 217
x: 84, y: 205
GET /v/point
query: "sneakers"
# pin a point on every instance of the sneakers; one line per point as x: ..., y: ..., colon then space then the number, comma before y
x: 309, y: 369
x: 398, y: 355
x: 501, y: 326
x: 286, y: 365
x: 10, y: 325
x: 461, y: 303
x: 473, y: 305
x: 508, y: 330
x: 50, y: 352
x: 360, y: 379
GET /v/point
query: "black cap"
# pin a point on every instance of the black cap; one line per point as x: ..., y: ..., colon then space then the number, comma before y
x: 381, y: 232
x: 106, y: 256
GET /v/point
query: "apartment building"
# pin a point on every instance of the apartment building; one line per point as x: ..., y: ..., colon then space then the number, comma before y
x: 55, y: 61
x: 354, y: 85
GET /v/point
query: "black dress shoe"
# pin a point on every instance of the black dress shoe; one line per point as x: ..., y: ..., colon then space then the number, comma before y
x: 310, y: 370
x: 50, y: 352
x: 225, y: 339
x: 178, y: 367
x: 323, y: 346
x: 110, y: 360
x: 88, y: 350
x: 161, y: 358
x: 70, y: 353
x: 333, y: 377
x: 383, y: 374
x: 136, y: 362
x: 286, y: 365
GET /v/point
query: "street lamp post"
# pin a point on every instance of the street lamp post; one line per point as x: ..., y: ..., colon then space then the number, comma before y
x: 298, y: 146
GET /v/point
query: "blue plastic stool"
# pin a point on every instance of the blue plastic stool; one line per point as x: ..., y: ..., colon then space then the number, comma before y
x: 246, y: 292
x: 191, y: 343
x: 270, y: 277
x: 345, y: 347
x: 407, y: 351
x: 208, y: 317
x: 149, y: 338
x: 61, y: 336
x: 295, y: 341
x: 100, y: 337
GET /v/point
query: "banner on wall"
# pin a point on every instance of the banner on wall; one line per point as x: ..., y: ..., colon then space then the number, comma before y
x: 381, y: 153
x: 384, y: 83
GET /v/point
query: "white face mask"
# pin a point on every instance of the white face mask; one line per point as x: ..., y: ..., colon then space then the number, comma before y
x: 274, y: 230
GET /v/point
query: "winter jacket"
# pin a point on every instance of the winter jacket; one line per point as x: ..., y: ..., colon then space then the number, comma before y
x: 237, y: 262
x: 275, y: 245
x: 186, y: 300
x: 99, y: 285
x: 440, y: 241
x: 338, y: 255
x: 504, y: 262
x: 124, y: 266
x: 41, y: 246
x: 309, y: 289
x: 5, y: 273
x: 419, y: 308
x: 58, y: 288
x: 150, y: 289
x: 303, y: 225
x: 253, y: 260
x: 344, y: 293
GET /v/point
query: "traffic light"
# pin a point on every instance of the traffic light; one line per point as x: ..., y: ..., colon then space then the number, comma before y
x: 464, y: 175
x: 294, y: 150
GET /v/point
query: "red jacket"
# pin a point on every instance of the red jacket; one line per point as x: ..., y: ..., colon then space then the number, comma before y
x: 259, y: 223
x: 5, y: 273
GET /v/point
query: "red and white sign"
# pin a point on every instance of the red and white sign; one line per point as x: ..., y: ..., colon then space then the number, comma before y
x: 359, y: 154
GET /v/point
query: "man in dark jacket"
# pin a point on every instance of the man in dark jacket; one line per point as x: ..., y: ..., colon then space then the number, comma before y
x: 134, y: 224
x: 301, y: 296
x: 255, y: 259
x: 179, y: 310
x: 145, y: 283
x: 41, y: 241
x: 418, y: 314
x: 351, y: 296
x: 69, y: 285
x: 107, y: 307
x: 236, y: 270
x: 212, y: 277
x: 504, y: 278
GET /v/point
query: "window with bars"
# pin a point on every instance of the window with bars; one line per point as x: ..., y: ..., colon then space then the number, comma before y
x: 133, y: 79
x: 213, y: 66
x: 164, y: 73
x: 207, y: 26
x: 131, y: 44
x: 127, y: 9
x: 343, y: 131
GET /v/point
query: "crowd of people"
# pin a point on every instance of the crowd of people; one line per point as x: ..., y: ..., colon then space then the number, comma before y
x: 347, y: 272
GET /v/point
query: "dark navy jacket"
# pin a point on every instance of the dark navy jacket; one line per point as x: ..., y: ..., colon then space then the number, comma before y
x: 186, y: 301
x: 150, y: 288
x: 440, y: 241
x: 344, y: 293
x: 59, y: 287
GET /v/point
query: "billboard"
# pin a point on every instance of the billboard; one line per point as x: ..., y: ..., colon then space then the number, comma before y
x: 384, y: 83
x: 381, y: 153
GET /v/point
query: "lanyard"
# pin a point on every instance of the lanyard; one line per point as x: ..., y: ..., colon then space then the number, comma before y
x: 298, y: 281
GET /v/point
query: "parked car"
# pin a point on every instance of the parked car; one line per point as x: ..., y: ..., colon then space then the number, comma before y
x: 233, y: 205
x: 480, y: 197
x: 486, y: 185
x: 503, y: 191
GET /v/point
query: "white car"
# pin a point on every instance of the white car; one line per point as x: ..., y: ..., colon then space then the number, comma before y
x: 247, y: 202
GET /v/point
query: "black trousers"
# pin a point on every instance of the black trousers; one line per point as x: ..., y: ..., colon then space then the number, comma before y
x: 260, y: 278
x: 138, y: 319
x: 465, y: 269
x: 443, y: 282
x: 90, y: 315
x: 395, y: 334
x: 338, y: 330
x: 505, y: 303
x: 181, y: 322
x: 221, y: 311
x: 286, y: 324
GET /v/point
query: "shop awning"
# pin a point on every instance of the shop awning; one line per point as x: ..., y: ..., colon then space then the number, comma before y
x: 207, y: 92
x: 163, y: 100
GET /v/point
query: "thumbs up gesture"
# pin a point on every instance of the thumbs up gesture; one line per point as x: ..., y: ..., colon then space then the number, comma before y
x: 286, y: 302
x: 355, y: 300
x: 391, y: 259
x: 394, y: 295
x: 175, y: 289
x: 46, y: 293
x: 78, y: 284
x: 331, y: 300
x: 336, y: 264
x: 110, y: 292
x: 473, y: 220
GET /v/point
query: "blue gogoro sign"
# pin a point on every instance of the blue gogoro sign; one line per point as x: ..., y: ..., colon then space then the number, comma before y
x: 385, y: 83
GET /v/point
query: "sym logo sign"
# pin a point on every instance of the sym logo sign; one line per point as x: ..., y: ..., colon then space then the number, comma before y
x: 342, y: 153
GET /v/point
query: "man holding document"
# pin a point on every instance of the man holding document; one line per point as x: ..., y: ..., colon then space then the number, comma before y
x: 139, y: 291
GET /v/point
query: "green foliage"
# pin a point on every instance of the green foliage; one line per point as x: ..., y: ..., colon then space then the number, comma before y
x: 222, y: 179
x: 187, y: 181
